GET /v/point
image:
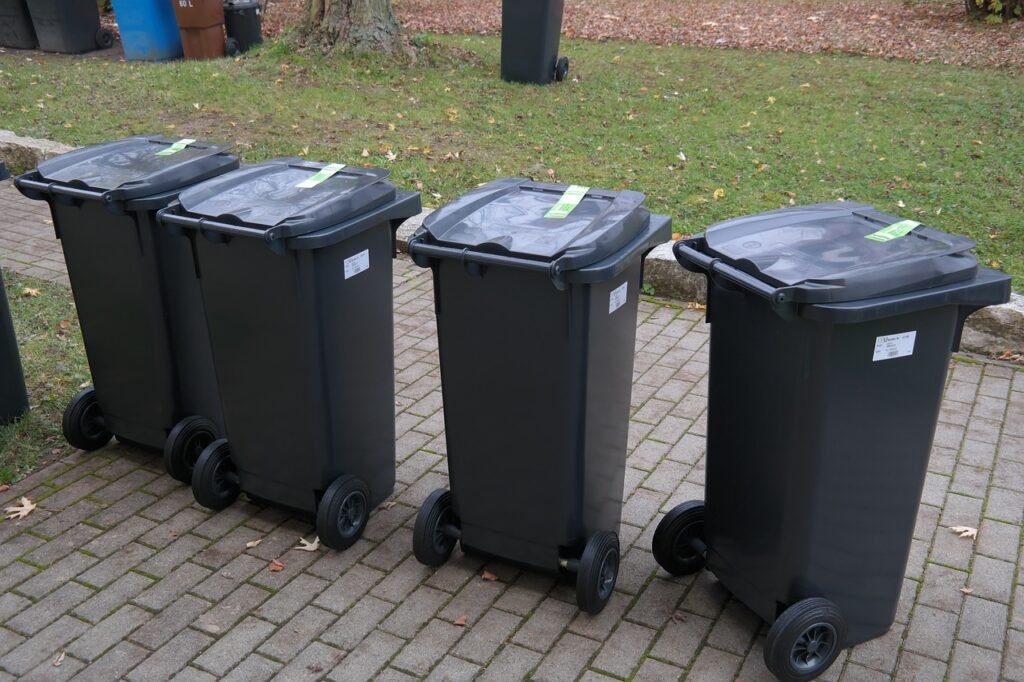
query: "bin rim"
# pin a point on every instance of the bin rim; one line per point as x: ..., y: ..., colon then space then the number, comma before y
x: 614, y: 226
x: 177, y: 174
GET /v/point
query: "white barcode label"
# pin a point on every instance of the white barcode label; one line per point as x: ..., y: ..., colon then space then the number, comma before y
x: 894, y: 346
x: 357, y: 263
x: 617, y: 298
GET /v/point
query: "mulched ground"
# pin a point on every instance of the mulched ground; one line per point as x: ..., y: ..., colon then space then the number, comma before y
x: 921, y: 30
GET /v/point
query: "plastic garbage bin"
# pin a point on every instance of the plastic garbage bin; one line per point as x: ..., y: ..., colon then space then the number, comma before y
x: 136, y: 293
x: 243, y: 23
x: 13, y: 397
x: 201, y: 24
x: 70, y: 26
x: 294, y: 262
x: 149, y: 31
x: 16, y: 25
x: 536, y: 289
x: 530, y: 31
x: 831, y: 332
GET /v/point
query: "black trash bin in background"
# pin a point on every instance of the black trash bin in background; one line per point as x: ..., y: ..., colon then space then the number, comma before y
x: 136, y: 293
x: 831, y: 332
x: 13, y: 396
x: 243, y: 23
x: 536, y: 312
x: 69, y: 26
x: 530, y: 32
x: 16, y: 25
x: 294, y: 262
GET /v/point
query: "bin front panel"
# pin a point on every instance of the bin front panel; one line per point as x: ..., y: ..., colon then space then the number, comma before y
x: 114, y: 275
x: 817, y: 454
x: 304, y: 362
x: 16, y: 25
x: 536, y: 392
x: 65, y: 25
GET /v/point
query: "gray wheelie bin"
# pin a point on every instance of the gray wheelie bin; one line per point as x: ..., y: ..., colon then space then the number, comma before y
x: 136, y: 293
x: 530, y: 32
x: 294, y: 263
x: 536, y: 290
x: 13, y: 396
x: 831, y: 332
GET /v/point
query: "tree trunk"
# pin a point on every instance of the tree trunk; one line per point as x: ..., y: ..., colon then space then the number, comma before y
x: 364, y: 25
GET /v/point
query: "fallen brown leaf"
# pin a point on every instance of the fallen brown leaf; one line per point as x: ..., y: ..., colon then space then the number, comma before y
x: 307, y: 546
x: 390, y: 504
x: 253, y: 543
x: 965, y: 531
x: 24, y: 507
x: 678, y: 617
x: 967, y: 590
x: 4, y: 488
x: 276, y: 566
x: 487, y: 575
x: 60, y: 659
x: 460, y: 621
x: 30, y: 292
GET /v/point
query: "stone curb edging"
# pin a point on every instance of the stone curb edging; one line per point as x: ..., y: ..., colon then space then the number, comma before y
x: 990, y: 331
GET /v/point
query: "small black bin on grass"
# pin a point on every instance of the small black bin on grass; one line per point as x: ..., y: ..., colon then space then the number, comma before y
x: 294, y: 262
x: 536, y: 290
x: 70, y: 26
x: 530, y: 33
x: 16, y: 25
x: 136, y: 293
x: 243, y: 23
x: 831, y: 332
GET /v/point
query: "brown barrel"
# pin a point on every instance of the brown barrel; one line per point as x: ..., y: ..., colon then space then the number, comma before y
x: 201, y: 23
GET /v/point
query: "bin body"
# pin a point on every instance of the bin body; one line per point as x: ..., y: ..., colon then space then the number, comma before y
x: 536, y: 377
x: 69, y: 26
x: 13, y: 396
x: 16, y: 25
x: 302, y: 333
x: 134, y: 286
x: 149, y: 31
x: 243, y: 21
x: 530, y: 32
x: 201, y: 25
x: 820, y: 426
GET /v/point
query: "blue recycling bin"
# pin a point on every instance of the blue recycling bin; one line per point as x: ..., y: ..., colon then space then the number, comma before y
x: 149, y: 31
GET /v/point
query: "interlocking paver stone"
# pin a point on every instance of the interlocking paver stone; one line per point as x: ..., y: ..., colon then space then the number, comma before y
x: 119, y: 545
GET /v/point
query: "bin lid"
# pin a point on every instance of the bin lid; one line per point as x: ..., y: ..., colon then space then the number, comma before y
x: 513, y: 217
x: 139, y: 166
x: 840, y: 251
x: 291, y: 195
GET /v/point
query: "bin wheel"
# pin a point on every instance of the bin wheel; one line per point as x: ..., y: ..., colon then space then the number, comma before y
x: 104, y: 39
x: 432, y: 539
x: 598, y: 571
x: 805, y: 640
x: 214, y: 478
x: 343, y: 512
x: 679, y: 541
x: 186, y: 442
x: 83, y: 424
x: 562, y: 69
x: 232, y: 49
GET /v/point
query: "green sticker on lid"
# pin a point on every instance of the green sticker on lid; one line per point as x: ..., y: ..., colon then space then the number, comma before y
x: 569, y: 201
x: 894, y: 231
x: 323, y: 174
x: 176, y: 147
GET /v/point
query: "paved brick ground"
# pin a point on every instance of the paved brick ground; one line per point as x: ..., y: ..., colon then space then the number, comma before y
x: 122, y: 575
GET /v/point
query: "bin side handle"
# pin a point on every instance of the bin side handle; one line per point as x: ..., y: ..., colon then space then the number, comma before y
x: 54, y: 188
x: 777, y: 298
x: 205, y: 225
x: 416, y: 247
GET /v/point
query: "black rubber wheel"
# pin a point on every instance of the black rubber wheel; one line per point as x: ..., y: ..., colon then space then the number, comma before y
x: 233, y: 49
x: 343, y: 512
x: 104, y: 39
x: 83, y: 424
x: 679, y: 541
x: 185, y: 443
x: 805, y: 640
x: 214, y: 478
x: 561, y: 69
x: 431, y: 544
x: 599, y: 569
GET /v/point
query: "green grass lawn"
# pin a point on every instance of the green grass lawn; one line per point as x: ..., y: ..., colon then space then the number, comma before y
x: 53, y: 359
x: 758, y: 130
